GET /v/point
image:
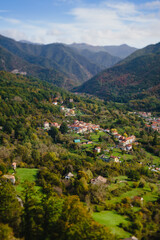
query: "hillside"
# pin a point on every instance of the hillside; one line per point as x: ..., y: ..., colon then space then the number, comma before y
x: 53, y: 57
x: 102, y: 59
x: 136, y: 77
x: 10, y: 62
x: 78, y: 182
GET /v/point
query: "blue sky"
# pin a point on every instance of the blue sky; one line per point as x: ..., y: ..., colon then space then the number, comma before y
x: 107, y: 22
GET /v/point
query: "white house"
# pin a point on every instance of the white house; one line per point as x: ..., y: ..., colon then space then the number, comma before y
x: 46, y: 125
x: 69, y: 175
x: 97, y: 149
x: 128, y: 147
x: 55, y: 103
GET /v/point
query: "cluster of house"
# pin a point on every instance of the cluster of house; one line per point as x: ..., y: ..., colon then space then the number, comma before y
x: 56, y: 100
x: 68, y: 111
x: 125, y: 143
x: 155, y: 125
x: 145, y: 114
x: 81, y: 127
x: 16, y: 71
x: 151, y: 122
x: 48, y: 125
x: 97, y: 180
x: 153, y: 168
x: 77, y: 126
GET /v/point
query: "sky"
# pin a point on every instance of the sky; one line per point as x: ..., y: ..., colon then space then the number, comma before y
x: 95, y: 22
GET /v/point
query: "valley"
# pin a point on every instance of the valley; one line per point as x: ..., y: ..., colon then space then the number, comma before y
x: 80, y: 120
x: 76, y: 152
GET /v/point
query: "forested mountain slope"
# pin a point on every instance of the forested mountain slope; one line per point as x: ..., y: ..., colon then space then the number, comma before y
x: 102, y: 59
x: 53, y: 57
x: 136, y: 77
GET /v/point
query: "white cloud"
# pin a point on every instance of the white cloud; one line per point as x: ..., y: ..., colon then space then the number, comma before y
x: 153, y: 5
x: 106, y: 24
x: 14, y: 33
x: 10, y: 20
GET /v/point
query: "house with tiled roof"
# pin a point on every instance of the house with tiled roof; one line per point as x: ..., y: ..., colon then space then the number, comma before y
x: 98, y: 180
x: 55, y: 103
x: 55, y: 124
x: 10, y: 178
x: 127, y: 141
x: 97, y: 149
x: 14, y: 164
x: 128, y: 147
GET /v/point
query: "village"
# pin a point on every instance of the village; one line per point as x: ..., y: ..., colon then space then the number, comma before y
x: 91, y: 154
x: 151, y: 122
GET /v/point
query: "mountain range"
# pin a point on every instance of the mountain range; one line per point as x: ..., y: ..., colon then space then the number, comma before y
x: 61, y: 64
x: 135, y: 77
x: 86, y: 68
x: 121, y: 51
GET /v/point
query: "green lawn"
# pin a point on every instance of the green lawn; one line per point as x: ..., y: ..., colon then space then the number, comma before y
x: 29, y: 174
x: 111, y: 219
x: 22, y: 174
x: 118, y: 152
x: 95, y: 137
x: 121, y: 178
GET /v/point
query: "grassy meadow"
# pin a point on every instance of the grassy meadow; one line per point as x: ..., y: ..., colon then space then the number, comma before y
x: 112, y: 220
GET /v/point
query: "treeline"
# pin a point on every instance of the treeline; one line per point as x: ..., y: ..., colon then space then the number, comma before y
x: 50, y: 217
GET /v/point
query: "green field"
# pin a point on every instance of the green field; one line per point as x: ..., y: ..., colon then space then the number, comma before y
x: 95, y: 137
x: 144, y: 192
x: 118, y: 153
x: 111, y: 219
x: 156, y: 159
x: 23, y: 174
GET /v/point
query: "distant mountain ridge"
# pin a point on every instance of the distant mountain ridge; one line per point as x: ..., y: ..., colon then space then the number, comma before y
x: 121, y: 51
x: 135, y: 77
x: 53, y: 57
x: 59, y: 63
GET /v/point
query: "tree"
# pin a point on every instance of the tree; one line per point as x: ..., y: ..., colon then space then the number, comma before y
x: 133, y: 175
x: 8, y: 127
x: 6, y: 233
x: 52, y: 210
x: 10, y: 209
x: 76, y: 223
x: 31, y: 213
x: 63, y: 128
x: 53, y: 132
x: 100, y: 138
